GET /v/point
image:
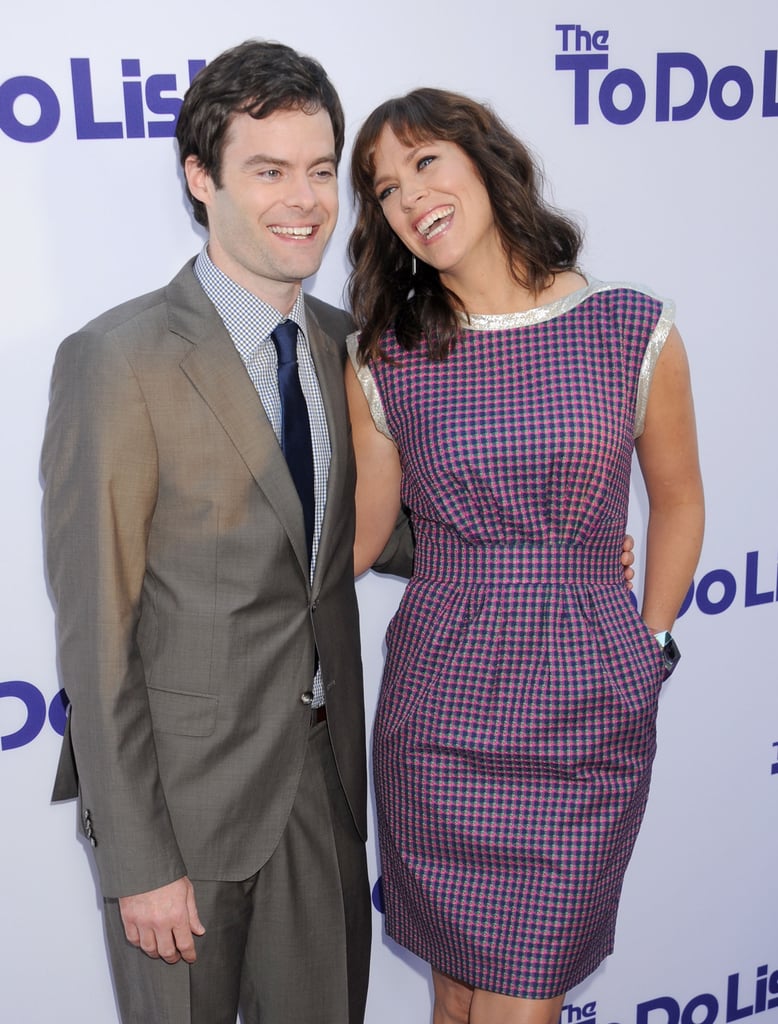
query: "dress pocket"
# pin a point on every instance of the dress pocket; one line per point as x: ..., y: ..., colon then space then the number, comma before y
x: 649, y: 640
x: 628, y: 652
x: 422, y: 641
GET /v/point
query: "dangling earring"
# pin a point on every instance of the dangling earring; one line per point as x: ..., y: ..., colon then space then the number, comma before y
x: 412, y: 290
x: 413, y: 266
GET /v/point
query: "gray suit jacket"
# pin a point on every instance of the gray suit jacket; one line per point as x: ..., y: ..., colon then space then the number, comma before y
x: 185, y: 619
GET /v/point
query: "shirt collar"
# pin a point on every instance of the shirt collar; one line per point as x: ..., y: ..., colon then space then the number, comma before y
x: 248, y: 319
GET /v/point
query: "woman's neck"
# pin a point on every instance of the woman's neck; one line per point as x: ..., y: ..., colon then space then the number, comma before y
x: 503, y: 294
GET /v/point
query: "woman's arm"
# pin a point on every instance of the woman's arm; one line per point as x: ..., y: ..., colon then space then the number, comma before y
x: 667, y: 452
x: 378, y: 478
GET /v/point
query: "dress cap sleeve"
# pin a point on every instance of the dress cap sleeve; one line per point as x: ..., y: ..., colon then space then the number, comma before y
x: 369, y: 386
x: 653, y: 350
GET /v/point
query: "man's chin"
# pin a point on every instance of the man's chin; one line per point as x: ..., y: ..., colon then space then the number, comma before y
x: 302, y: 268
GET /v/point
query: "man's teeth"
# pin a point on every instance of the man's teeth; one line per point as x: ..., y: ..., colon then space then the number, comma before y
x: 425, y: 225
x: 299, y: 232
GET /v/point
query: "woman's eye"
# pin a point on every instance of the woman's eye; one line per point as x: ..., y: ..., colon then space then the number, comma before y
x: 424, y: 162
x: 385, y: 193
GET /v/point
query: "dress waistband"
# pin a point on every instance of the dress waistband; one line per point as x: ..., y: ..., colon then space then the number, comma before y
x: 448, y: 558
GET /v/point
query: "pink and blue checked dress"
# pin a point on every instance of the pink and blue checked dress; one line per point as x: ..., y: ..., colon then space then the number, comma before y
x: 515, y: 730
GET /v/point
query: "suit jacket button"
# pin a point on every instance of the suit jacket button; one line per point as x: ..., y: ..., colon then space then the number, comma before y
x: 306, y: 698
x: 86, y: 819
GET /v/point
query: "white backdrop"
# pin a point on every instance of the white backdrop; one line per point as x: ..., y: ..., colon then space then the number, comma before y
x: 657, y: 126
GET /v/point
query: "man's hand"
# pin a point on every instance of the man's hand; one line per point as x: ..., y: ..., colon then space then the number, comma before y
x: 162, y: 922
x: 627, y: 558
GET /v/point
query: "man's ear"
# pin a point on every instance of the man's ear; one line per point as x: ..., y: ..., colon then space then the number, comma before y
x: 198, y: 179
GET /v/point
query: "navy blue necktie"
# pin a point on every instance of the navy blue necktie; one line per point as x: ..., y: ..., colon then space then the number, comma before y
x: 295, y: 425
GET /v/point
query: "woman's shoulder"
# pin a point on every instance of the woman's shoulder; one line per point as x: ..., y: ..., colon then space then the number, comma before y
x: 386, y: 345
x: 623, y: 291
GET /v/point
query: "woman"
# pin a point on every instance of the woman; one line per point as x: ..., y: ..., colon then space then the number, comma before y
x: 499, y: 391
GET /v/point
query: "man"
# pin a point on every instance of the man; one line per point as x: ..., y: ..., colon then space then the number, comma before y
x: 206, y: 614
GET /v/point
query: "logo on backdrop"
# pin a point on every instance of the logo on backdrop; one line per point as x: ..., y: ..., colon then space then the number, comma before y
x: 682, y: 87
x: 746, y: 994
x: 572, y: 1014
x: 753, y: 584
x: 29, y: 700
x: 146, y: 106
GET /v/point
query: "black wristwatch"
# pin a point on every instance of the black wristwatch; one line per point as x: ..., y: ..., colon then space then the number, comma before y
x: 669, y: 648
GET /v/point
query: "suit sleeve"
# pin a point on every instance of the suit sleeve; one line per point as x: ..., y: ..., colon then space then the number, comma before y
x: 99, y: 467
x: 397, y: 557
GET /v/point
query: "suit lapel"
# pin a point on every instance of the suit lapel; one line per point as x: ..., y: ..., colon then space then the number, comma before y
x: 217, y: 372
x: 329, y: 370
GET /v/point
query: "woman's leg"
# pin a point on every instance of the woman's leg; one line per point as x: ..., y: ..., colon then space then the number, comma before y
x: 457, y: 1003
x: 452, y: 1000
x: 491, y: 1008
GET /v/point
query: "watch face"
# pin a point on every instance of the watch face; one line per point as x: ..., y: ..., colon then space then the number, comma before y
x: 671, y: 654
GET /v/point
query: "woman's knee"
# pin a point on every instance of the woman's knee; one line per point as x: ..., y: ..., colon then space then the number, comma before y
x: 492, y: 1008
x: 452, y: 1000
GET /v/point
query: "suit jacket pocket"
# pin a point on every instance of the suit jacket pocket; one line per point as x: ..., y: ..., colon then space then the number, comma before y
x: 182, y: 713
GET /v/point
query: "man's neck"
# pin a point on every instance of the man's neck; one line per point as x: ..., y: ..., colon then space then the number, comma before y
x: 281, y: 295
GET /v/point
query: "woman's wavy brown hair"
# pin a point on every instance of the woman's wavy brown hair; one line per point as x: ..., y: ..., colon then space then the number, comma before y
x: 538, y: 240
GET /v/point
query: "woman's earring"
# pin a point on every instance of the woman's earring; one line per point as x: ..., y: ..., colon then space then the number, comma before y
x: 412, y: 290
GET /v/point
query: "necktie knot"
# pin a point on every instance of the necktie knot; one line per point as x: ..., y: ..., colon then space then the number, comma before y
x: 285, y: 340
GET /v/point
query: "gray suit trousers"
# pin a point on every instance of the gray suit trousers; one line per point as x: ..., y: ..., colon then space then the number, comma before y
x: 289, y: 944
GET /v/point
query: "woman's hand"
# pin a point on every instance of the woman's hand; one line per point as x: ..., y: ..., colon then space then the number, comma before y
x: 627, y: 558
